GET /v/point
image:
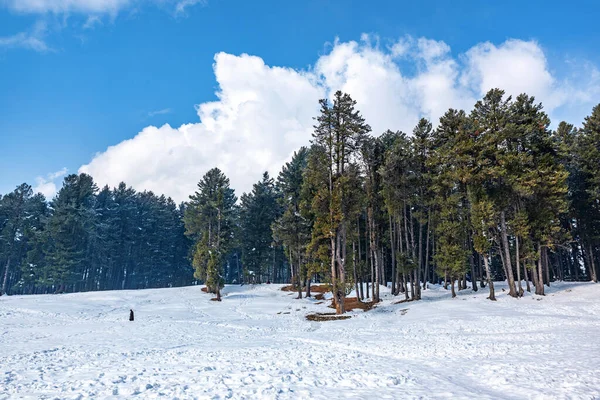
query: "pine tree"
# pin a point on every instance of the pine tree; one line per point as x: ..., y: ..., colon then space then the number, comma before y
x: 450, y: 164
x: 539, y: 182
x: 340, y: 131
x: 209, y: 221
x: 395, y: 174
x: 314, y: 209
x: 70, y: 229
x: 22, y: 215
x: 373, y: 159
x: 491, y: 120
x: 258, y: 210
x: 587, y: 149
x: 292, y: 228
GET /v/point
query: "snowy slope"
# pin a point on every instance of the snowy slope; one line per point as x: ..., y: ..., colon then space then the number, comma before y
x: 182, y: 345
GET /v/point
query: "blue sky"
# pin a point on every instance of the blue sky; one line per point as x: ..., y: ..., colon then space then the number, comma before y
x: 79, y: 76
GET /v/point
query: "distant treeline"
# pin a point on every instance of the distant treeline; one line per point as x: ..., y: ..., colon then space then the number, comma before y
x: 490, y: 195
x: 86, y: 239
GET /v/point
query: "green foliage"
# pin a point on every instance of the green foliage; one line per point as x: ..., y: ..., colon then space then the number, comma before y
x: 210, y: 222
x: 259, y: 210
x: 449, y: 163
x: 87, y: 239
x: 480, y: 183
x: 292, y: 228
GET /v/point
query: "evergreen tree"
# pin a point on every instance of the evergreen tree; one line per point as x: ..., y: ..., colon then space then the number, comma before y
x: 373, y: 159
x: 339, y: 131
x: 70, y: 230
x: 450, y: 161
x: 395, y: 174
x: 587, y: 150
x: 21, y: 215
x: 259, y: 209
x: 209, y: 221
x: 494, y: 154
x: 539, y: 182
x: 292, y: 229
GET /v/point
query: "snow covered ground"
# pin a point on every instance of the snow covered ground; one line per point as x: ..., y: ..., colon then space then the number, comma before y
x: 257, y: 343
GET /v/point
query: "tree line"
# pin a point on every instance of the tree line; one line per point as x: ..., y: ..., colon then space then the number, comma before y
x: 490, y: 195
x: 88, y: 239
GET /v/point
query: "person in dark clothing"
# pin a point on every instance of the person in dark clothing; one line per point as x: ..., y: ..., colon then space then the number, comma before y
x: 131, y: 315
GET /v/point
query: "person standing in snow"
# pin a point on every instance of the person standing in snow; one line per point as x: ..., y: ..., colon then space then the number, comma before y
x: 130, y: 314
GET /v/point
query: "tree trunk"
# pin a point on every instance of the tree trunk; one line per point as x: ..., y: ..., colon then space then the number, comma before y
x: 361, y: 287
x: 546, y: 264
x: 480, y: 269
x: 5, y: 279
x: 525, y: 275
x: 488, y: 277
x: 593, y: 274
x: 374, y: 255
x: 420, y: 263
x: 299, y: 277
x: 452, y: 287
x: 334, y: 271
x: 361, y: 272
x: 406, y: 230
x: 511, y: 280
x: 446, y: 279
x: 473, y: 278
x: 426, y: 274
x: 576, y: 260
x: 539, y: 287
x: 340, y: 292
x: 393, y: 255
x: 355, y: 274
x: 518, y: 260
x: 399, y: 246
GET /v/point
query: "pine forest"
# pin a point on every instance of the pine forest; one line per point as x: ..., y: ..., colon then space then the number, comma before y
x: 495, y: 194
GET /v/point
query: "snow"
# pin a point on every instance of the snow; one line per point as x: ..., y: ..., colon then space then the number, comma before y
x: 256, y: 343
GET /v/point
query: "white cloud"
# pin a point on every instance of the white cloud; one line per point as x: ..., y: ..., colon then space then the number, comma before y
x: 92, y: 21
x: 66, y: 6
x: 58, y: 174
x: 160, y: 112
x: 32, y: 40
x: 432, y: 49
x: 47, y: 185
x: 183, y: 4
x: 264, y: 113
x: 515, y: 66
x: 88, y: 7
x: 94, y: 11
x: 24, y: 40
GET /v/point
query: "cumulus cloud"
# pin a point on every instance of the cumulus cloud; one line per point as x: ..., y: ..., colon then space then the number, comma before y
x: 261, y: 116
x: 264, y: 113
x: 47, y: 185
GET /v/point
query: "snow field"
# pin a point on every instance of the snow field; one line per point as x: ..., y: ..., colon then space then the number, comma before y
x: 256, y: 343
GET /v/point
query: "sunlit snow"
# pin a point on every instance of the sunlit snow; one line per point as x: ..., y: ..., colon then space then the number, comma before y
x: 256, y: 343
